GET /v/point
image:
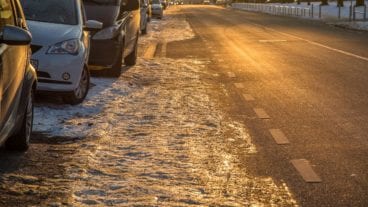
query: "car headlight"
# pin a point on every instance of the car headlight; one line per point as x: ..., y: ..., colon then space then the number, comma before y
x: 66, y: 47
x: 107, y: 33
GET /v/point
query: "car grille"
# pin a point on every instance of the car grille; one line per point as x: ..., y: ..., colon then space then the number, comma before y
x: 43, y: 74
x: 35, y: 48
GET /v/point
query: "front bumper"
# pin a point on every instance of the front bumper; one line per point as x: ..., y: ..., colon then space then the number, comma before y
x: 157, y: 12
x: 58, y: 73
x: 103, y: 53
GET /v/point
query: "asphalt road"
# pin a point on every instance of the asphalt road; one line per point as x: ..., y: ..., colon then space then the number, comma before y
x: 310, y: 78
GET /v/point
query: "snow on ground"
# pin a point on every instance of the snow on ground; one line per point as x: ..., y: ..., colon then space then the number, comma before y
x: 329, y: 13
x: 57, y: 119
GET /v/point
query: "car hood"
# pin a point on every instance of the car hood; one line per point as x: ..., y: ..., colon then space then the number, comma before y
x: 46, y: 34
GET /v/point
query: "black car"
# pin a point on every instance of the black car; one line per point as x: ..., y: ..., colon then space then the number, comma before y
x: 117, y: 42
x: 18, y: 78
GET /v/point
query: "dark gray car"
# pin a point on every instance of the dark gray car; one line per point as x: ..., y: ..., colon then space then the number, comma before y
x: 117, y: 42
x: 18, y: 78
x: 145, y: 15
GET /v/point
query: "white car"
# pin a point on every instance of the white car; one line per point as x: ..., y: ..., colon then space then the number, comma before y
x: 60, y: 46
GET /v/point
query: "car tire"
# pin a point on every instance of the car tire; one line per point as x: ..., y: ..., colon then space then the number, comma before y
x: 131, y: 59
x: 115, y: 70
x: 21, y: 140
x: 80, y: 93
x: 144, y: 31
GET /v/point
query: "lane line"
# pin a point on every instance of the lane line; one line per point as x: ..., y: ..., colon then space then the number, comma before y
x: 279, y: 136
x: 239, y: 85
x: 164, y: 49
x: 248, y: 97
x: 313, y: 42
x: 261, y: 113
x: 306, y: 171
x: 150, y: 51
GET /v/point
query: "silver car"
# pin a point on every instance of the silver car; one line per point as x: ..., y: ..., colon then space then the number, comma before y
x: 60, y: 46
x: 157, y: 9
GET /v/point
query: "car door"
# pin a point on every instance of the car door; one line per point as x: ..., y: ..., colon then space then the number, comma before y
x: 132, y: 27
x: 86, y: 38
x: 13, y: 62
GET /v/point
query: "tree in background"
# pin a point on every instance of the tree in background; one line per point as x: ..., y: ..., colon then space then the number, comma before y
x: 360, y: 3
x: 340, y: 3
x: 324, y: 2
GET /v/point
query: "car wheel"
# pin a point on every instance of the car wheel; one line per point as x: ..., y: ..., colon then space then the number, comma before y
x: 80, y: 93
x: 131, y: 59
x: 20, y: 141
x: 115, y: 70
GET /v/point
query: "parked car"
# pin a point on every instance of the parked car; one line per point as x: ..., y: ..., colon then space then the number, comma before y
x: 117, y: 42
x: 60, y: 46
x: 157, y: 9
x: 145, y: 15
x: 18, y: 78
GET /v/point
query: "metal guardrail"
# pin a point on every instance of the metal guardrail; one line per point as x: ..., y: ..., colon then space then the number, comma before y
x: 277, y: 9
x: 308, y: 12
x: 355, y: 12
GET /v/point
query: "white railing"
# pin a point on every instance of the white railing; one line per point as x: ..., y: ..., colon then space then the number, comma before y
x: 277, y: 9
x: 304, y: 11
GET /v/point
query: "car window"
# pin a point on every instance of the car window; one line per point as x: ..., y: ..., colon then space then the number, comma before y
x: 6, y: 13
x: 84, y: 15
x: 54, y: 11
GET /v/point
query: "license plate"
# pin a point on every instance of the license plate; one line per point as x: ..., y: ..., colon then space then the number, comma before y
x: 34, y: 63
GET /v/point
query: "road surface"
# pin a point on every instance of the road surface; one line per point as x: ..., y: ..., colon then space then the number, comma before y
x: 310, y: 78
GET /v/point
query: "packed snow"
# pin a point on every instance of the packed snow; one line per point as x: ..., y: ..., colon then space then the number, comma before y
x: 329, y: 13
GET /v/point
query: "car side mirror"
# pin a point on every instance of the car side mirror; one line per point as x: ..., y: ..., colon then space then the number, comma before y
x: 93, y: 25
x: 12, y: 35
x: 130, y: 5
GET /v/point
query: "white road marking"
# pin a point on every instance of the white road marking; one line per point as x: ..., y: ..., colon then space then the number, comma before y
x: 305, y: 170
x: 239, y: 85
x: 231, y: 74
x: 248, y: 97
x: 150, y: 51
x: 164, y: 49
x: 314, y: 43
x: 261, y: 113
x: 271, y: 41
x: 279, y: 136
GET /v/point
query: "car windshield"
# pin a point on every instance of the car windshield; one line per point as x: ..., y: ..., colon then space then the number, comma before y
x: 104, y: 2
x: 53, y: 11
x: 156, y: 2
